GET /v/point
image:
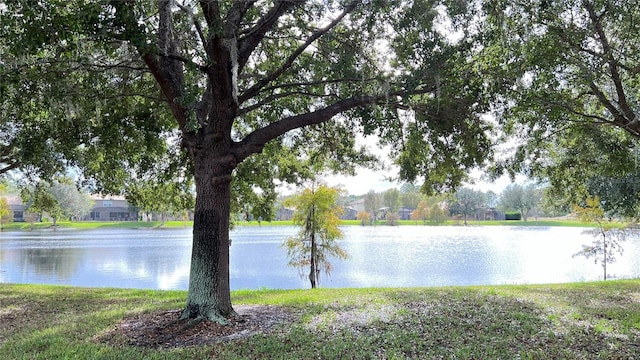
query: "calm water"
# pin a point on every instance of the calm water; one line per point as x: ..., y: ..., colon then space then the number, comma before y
x: 380, y: 257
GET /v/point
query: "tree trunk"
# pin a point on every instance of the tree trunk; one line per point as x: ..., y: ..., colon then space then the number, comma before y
x: 312, y: 268
x: 604, y: 263
x: 313, y: 273
x: 209, y: 291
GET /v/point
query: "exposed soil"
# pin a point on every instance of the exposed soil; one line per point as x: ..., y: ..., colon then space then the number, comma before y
x: 165, y: 330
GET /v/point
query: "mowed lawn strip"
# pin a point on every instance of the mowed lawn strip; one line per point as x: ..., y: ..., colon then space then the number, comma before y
x: 88, y: 225
x: 595, y: 320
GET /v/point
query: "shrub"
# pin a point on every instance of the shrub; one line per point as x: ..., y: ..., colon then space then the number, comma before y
x: 512, y: 216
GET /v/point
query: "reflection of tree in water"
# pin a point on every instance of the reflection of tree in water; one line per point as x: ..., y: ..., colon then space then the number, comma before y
x: 59, y: 262
x: 3, y: 270
x: 163, y: 267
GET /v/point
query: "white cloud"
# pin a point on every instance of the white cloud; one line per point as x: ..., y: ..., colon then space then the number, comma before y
x: 364, y: 181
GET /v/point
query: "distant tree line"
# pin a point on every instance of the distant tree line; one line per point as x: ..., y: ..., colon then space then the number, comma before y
x: 516, y: 201
x: 64, y: 199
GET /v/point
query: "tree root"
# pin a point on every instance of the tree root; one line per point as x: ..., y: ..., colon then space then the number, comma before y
x: 213, y: 316
x: 188, y: 325
x: 195, y: 322
x: 163, y: 329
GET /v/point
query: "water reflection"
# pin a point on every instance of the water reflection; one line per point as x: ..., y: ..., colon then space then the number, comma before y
x: 119, y: 258
x: 380, y: 256
x: 52, y: 262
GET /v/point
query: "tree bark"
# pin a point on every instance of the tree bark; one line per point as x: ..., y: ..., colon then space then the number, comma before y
x: 312, y: 268
x: 209, y: 290
x: 604, y: 262
x: 313, y: 273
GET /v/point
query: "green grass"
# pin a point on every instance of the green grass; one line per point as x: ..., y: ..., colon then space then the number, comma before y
x: 98, y: 225
x: 599, y: 320
x: 180, y: 224
x: 530, y: 222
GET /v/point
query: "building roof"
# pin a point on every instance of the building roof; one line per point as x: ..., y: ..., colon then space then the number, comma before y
x: 13, y: 199
x: 98, y: 197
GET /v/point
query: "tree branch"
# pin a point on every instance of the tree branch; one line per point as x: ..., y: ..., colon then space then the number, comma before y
x: 74, y: 65
x: 274, y: 97
x: 248, y: 43
x: 196, y: 24
x: 211, y: 12
x: 5, y: 151
x: 8, y: 168
x: 235, y: 15
x: 97, y: 96
x: 320, y: 82
x: 611, y: 61
x: 186, y: 61
x: 169, y: 81
x: 602, y: 98
x: 252, y: 91
x: 281, y: 95
x: 7, y: 162
x: 255, y: 141
x: 596, y: 118
x: 167, y: 86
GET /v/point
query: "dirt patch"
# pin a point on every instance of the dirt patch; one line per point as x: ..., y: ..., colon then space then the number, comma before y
x: 165, y: 330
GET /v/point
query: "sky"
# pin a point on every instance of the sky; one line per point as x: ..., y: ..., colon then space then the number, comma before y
x: 367, y: 180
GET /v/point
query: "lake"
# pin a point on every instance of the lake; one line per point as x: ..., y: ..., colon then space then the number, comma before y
x: 381, y: 256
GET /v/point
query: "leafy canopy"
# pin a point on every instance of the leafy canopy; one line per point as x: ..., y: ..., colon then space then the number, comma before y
x: 572, y: 105
x: 78, y: 89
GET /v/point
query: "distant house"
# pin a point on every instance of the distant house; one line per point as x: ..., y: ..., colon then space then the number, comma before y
x: 18, y: 208
x: 111, y: 208
x: 284, y: 213
x: 493, y: 214
x: 358, y: 205
x: 405, y: 213
x: 349, y: 214
x: 382, y: 213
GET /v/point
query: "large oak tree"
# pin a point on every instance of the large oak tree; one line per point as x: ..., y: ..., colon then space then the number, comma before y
x: 573, y: 104
x: 249, y: 91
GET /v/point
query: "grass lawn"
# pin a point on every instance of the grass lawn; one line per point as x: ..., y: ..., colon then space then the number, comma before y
x: 599, y: 320
x: 180, y: 224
